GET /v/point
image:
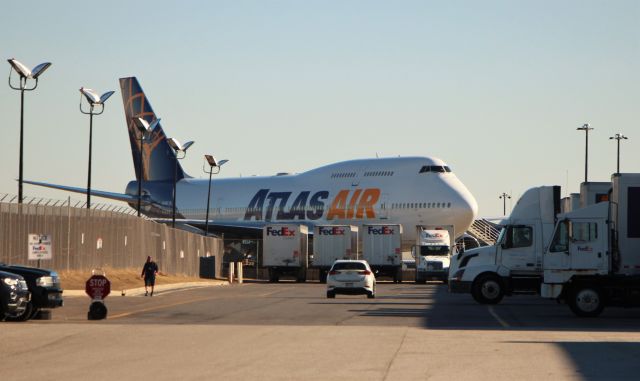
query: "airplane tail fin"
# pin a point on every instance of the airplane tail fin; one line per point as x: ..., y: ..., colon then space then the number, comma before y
x: 158, y: 159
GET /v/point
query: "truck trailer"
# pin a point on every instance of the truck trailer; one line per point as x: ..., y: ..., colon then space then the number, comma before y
x: 432, y: 252
x: 285, y: 251
x: 593, y: 260
x: 333, y: 242
x: 381, y: 248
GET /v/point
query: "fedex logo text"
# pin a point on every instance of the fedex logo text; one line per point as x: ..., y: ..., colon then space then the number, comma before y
x: 382, y: 230
x: 281, y: 232
x: 331, y: 231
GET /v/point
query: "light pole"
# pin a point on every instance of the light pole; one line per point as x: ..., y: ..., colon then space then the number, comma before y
x: 24, y: 74
x: 177, y: 149
x: 618, y: 137
x: 145, y: 128
x: 586, y: 128
x: 504, y: 198
x: 213, y: 163
x: 94, y: 100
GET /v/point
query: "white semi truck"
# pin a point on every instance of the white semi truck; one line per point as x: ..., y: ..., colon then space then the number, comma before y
x: 381, y: 247
x: 514, y: 264
x: 286, y: 251
x: 593, y: 260
x: 333, y: 242
x: 432, y: 252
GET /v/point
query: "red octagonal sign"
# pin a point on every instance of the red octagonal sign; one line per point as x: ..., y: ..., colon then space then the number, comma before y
x: 98, y: 287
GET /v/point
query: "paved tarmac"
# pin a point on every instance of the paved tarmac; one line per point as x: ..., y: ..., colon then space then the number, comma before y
x: 290, y: 331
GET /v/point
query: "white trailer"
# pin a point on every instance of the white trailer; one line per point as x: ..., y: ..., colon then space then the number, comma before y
x: 381, y: 248
x: 333, y: 242
x: 285, y: 251
x: 593, y: 260
x: 433, y: 251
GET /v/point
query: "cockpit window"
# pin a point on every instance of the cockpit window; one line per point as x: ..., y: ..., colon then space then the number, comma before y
x: 435, y: 168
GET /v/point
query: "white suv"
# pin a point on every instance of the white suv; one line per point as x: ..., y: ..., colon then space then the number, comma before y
x: 351, y: 277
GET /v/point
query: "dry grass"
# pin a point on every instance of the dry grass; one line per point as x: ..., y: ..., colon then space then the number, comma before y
x: 121, y: 279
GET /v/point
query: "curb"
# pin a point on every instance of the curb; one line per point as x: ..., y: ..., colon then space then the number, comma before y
x: 159, y: 288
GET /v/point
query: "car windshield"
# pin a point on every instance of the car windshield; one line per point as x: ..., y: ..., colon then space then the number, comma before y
x: 349, y: 266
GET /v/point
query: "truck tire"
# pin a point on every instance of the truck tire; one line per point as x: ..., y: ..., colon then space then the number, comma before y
x: 25, y: 315
x: 487, y: 289
x: 302, y: 276
x: 273, y: 276
x: 420, y: 280
x: 586, y: 301
x: 397, y: 277
x: 331, y: 294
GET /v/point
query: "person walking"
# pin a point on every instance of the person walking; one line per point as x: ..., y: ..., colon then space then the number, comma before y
x: 149, y: 272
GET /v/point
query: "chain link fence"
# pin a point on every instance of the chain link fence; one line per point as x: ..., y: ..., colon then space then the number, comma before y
x: 84, y: 239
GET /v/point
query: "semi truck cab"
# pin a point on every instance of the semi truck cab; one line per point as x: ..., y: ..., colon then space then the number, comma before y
x: 432, y: 253
x: 514, y: 264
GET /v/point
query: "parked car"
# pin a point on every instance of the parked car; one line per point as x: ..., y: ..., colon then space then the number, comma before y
x: 14, y: 295
x: 44, y: 286
x: 351, y: 277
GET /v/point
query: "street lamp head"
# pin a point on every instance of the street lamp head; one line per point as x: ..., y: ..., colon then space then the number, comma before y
x: 144, y: 126
x: 24, y: 71
x: 585, y: 127
x: 175, y: 144
x: 213, y: 162
x: 93, y: 98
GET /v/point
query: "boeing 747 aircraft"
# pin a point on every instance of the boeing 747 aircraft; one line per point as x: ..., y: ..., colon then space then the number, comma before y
x: 401, y: 190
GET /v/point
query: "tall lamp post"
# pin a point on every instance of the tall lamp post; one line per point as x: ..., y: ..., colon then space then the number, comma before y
x: 213, y: 163
x: 586, y: 128
x: 177, y: 149
x: 618, y: 137
x: 25, y: 74
x: 145, y: 128
x: 504, y: 198
x: 94, y: 100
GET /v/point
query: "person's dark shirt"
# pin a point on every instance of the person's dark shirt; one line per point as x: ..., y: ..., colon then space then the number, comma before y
x: 149, y: 270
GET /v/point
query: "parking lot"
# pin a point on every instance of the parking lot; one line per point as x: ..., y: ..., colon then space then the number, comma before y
x: 292, y: 331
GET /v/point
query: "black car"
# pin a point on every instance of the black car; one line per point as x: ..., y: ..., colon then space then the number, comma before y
x: 14, y: 295
x: 45, y: 288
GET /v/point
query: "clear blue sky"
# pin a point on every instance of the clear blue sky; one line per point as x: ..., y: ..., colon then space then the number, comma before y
x: 494, y: 88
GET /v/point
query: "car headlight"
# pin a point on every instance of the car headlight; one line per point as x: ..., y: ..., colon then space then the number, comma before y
x: 10, y: 281
x: 46, y: 281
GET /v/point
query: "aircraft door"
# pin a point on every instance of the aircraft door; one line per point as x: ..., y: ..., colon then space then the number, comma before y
x: 383, y: 211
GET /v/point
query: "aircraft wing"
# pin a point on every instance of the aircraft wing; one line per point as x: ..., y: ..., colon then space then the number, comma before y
x: 98, y: 193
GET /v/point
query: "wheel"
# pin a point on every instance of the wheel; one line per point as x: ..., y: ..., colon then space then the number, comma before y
x: 331, y: 294
x: 487, y: 289
x: 586, y: 301
x: 25, y: 315
x: 420, y: 279
x: 399, y: 275
x: 302, y: 276
x: 372, y: 294
x: 323, y: 276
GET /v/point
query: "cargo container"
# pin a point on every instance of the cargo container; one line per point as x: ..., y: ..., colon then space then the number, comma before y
x: 381, y: 248
x: 333, y: 242
x: 286, y: 251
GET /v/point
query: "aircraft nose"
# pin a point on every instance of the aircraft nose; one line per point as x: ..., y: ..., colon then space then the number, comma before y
x: 466, y: 208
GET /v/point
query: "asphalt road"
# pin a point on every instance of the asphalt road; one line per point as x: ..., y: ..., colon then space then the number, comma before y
x: 291, y: 331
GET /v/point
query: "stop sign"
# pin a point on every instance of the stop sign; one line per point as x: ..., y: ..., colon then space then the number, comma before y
x: 98, y: 287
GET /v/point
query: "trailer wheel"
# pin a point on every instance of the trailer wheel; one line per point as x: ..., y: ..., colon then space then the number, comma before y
x: 273, y: 276
x: 397, y: 277
x: 302, y: 276
x: 420, y: 280
x: 323, y: 276
x: 586, y: 301
x: 487, y: 289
